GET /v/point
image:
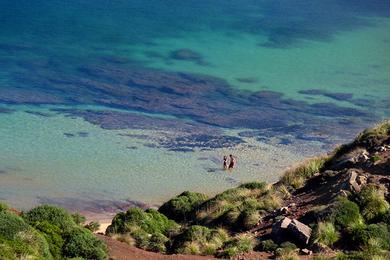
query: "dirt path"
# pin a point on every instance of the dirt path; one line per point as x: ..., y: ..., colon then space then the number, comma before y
x: 122, y: 251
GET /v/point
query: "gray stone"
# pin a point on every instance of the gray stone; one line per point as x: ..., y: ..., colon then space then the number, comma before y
x: 300, y: 231
x: 279, y: 229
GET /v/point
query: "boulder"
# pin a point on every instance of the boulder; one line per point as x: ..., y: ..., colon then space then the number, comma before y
x: 299, y: 231
x: 356, y: 181
x: 279, y: 229
x: 358, y: 155
x: 287, y: 229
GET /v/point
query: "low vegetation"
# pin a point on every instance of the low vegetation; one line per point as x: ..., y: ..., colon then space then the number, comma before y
x: 225, y: 225
x: 297, y: 177
x: 238, y: 208
x: 46, y: 232
x: 182, y: 206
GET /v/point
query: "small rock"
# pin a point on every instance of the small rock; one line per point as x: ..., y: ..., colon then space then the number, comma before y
x: 319, y: 248
x: 361, y: 180
x: 343, y: 193
x: 306, y: 251
x: 284, y: 210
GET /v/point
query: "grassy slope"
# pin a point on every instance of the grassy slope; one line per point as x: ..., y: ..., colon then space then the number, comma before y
x: 240, y: 219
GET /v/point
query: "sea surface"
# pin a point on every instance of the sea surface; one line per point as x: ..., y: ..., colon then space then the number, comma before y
x: 107, y: 104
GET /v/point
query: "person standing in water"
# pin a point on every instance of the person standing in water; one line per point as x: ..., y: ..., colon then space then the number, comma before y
x: 232, y: 163
x: 225, y: 163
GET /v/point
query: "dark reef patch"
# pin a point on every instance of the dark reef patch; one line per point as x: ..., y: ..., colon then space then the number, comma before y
x: 83, y: 134
x: 37, y: 113
x: 188, y: 142
x: 199, y: 104
x: 92, y: 205
x: 188, y: 55
x: 79, y: 134
x: 6, y: 111
x: 333, y: 95
x: 248, y: 80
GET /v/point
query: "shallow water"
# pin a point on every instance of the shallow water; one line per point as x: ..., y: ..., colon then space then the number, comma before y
x: 122, y: 101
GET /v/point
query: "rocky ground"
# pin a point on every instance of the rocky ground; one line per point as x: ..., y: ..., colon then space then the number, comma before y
x: 364, y: 162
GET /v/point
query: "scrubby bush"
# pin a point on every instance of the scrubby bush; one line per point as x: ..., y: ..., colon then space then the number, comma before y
x: 54, y: 215
x: 150, y: 221
x: 287, y: 250
x: 150, y: 229
x: 254, y: 185
x: 181, y: 207
x: 78, y: 218
x: 374, y: 136
x: 80, y: 242
x: 346, y: 213
x: 248, y: 219
x: 93, y: 226
x: 238, y: 245
x: 200, y: 240
x: 52, y: 234
x: 19, y: 240
x: 226, y: 208
x: 297, y: 177
x: 372, y: 202
x: 373, y: 238
x: 326, y: 234
x: 3, y: 206
x: 362, y: 255
x: 268, y: 245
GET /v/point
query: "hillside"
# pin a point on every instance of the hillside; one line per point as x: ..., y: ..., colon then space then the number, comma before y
x: 331, y: 206
x: 336, y: 205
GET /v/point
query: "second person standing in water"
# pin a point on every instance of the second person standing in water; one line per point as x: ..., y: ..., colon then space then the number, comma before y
x: 231, y: 164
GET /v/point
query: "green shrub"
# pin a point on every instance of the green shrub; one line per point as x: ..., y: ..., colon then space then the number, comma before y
x: 287, y: 250
x: 372, y: 238
x: 326, y: 234
x: 54, y: 215
x: 19, y: 240
x: 248, y: 219
x: 254, y: 185
x: 181, y: 207
x: 93, y: 226
x: 151, y: 221
x: 288, y: 246
x: 268, y: 245
x: 374, y: 136
x: 346, y: 213
x: 157, y: 243
x: 3, y: 206
x: 10, y: 225
x: 372, y: 202
x: 80, y: 242
x: 363, y: 255
x: 78, y: 218
x: 297, y: 177
x: 200, y: 240
x: 225, y: 208
x: 238, y: 245
x: 52, y: 234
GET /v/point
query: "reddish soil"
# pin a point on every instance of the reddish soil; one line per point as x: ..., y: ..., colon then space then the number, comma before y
x: 122, y: 251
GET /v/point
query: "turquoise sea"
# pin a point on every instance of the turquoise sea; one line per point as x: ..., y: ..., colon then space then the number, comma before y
x: 106, y: 104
